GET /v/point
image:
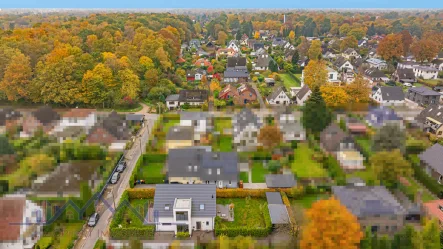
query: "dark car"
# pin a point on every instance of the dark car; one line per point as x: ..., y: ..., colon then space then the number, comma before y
x: 115, y: 177
x: 93, y: 219
x: 121, y: 166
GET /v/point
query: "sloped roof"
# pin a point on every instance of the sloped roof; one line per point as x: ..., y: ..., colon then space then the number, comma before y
x: 303, y: 91
x: 244, y: 118
x: 8, y: 114
x: 236, y: 62
x: 193, y: 95
x: 424, y: 91
x: 263, y: 60
x: 201, y: 194
x: 379, y: 116
x: 12, y: 209
x: 46, y: 115
x: 277, y: 90
x: 374, y: 73
x: 184, y: 115
x: 180, y: 133
x: 331, y: 137
x: 406, y: 73
x: 392, y: 93
x: 78, y: 113
x: 431, y: 111
x: 117, y: 126
x: 433, y: 157
x: 280, y: 181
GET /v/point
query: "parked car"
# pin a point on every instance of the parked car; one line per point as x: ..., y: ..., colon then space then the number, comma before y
x: 93, y: 219
x: 121, y: 166
x: 391, y: 83
x: 115, y: 177
x: 407, y: 84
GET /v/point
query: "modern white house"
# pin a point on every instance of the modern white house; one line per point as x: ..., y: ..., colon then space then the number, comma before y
x: 278, y: 97
x: 21, y: 225
x: 425, y: 72
x: 77, y: 117
x: 184, y: 208
x: 332, y: 75
x: 377, y: 63
x: 389, y: 95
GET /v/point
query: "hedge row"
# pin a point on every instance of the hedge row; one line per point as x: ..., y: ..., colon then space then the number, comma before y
x: 135, y: 172
x: 141, y: 193
x: 424, y: 178
x: 334, y: 169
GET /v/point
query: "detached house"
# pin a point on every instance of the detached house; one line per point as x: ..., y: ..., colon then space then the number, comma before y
x: 200, y: 121
x: 77, y: 117
x: 423, y: 95
x: 44, y: 118
x: 236, y: 70
x: 289, y: 123
x: 9, y: 118
x: 332, y: 75
x: 22, y: 221
x: 425, y: 72
x: 335, y: 141
x: 179, y: 137
x: 246, y: 127
x: 191, y: 97
x: 432, y: 163
x: 113, y: 131
x: 374, y: 75
x: 389, y: 95
x: 234, y: 45
x: 377, y: 63
x: 342, y: 64
x: 184, y: 208
x: 350, y: 53
x: 303, y: 95
x: 438, y: 64
x: 278, y: 97
x: 381, y: 116
x: 242, y: 95
x: 405, y: 75
x: 199, y: 166
x: 431, y: 120
x: 262, y: 62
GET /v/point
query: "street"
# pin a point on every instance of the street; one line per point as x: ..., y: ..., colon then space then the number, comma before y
x: 114, y: 192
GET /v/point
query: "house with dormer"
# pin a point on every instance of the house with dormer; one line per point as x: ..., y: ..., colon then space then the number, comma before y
x: 233, y: 44
x: 341, y: 63
x: 190, y: 97
x: 278, y: 97
x: 350, y: 53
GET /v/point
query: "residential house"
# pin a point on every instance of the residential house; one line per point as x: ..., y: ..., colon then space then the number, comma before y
x: 362, y: 43
x: 260, y: 51
x: 289, y: 123
x: 303, y: 95
x: 328, y: 55
x: 44, y: 118
x: 195, y: 74
x: 135, y: 119
x: 113, y: 132
x: 202, y: 62
x: 194, y: 44
x: 332, y: 75
x: 270, y: 82
x: 244, y: 40
x: 278, y: 42
x: 22, y: 221
x: 199, y: 166
x: 341, y: 63
x: 251, y: 43
x: 423, y: 96
x: 389, y: 95
x: 356, y: 63
x: 179, y: 137
x: 372, y: 53
x: 405, y: 75
x: 278, y: 97
x: 184, y: 208
x: 246, y: 94
x: 431, y: 120
x: 233, y: 44
x: 425, y: 72
x: 190, y: 97
x: 77, y: 117
x: 225, y: 52
x: 246, y: 126
x: 236, y: 70
x: 407, y: 64
x: 257, y: 46
x: 438, y: 64
x: 380, y: 116
x: 336, y: 142
x: 9, y: 118
x: 289, y: 46
x: 280, y: 180
x: 347, y: 75
x: 432, y: 163
x: 374, y: 206
x: 374, y: 76
x: 434, y: 210
x: 262, y: 63
x: 69, y: 133
x: 350, y: 53
x: 200, y: 121
x: 377, y: 63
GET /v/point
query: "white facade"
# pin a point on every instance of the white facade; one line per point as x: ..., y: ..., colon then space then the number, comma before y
x: 234, y: 46
x: 332, y: 76
x: 200, y: 126
x: 281, y: 99
x: 346, y: 65
x: 377, y: 63
x: 356, y: 162
x: 84, y: 122
x: 248, y: 138
x: 171, y: 104
x: 301, y: 101
x: 378, y: 97
x: 425, y: 72
x: 198, y: 76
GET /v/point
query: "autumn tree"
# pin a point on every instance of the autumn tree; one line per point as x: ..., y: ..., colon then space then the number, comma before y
x: 17, y: 77
x: 270, y: 136
x: 130, y: 84
x: 344, y: 29
x: 303, y: 47
x: 314, y: 52
x: 389, y: 137
x: 389, y: 165
x: 357, y: 33
x: 391, y: 47
x: 424, y: 50
x: 315, y: 74
x: 214, y: 86
x: 316, y: 116
x: 348, y: 42
x: 291, y: 36
x: 431, y: 235
x: 222, y: 37
x: 358, y: 90
x: 330, y: 225
x: 334, y: 96
x: 97, y: 84
x: 407, y: 40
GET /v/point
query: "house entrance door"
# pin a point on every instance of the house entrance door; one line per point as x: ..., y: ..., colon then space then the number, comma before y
x: 199, y: 225
x: 220, y: 184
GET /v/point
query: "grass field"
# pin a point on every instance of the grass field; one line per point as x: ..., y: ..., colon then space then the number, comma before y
x: 222, y: 124
x: 306, y: 201
x: 248, y: 212
x: 288, y: 81
x: 365, y: 144
x: 303, y: 165
x: 135, y: 217
x: 64, y: 235
x: 258, y: 172
x: 152, y: 173
x: 244, y: 177
x: 224, y: 144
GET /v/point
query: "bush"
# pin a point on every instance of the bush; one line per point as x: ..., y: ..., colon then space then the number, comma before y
x: 294, y: 144
x: 140, y: 193
x: 44, y: 242
x: 182, y: 235
x: 415, y: 146
x: 334, y: 169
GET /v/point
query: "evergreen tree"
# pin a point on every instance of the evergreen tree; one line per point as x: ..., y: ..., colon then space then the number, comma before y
x: 295, y: 58
x: 316, y: 116
x: 273, y: 66
x: 384, y: 243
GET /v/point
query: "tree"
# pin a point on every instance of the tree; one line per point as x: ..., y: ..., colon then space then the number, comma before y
x: 274, y: 166
x: 424, y: 50
x: 314, y: 52
x: 96, y: 84
x: 389, y: 137
x: 291, y: 36
x: 334, y: 96
x: 357, y: 33
x: 391, y: 47
x: 316, y: 116
x: 17, y: 77
x: 270, y: 136
x: 315, y: 74
x: 257, y: 35
x: 431, y: 235
x: 222, y: 37
x: 249, y: 66
x: 295, y: 58
x: 214, y: 86
x: 86, y: 196
x: 344, y: 29
x: 163, y: 57
x: 273, y: 66
x: 407, y: 40
x: 330, y: 225
x: 348, y: 42
x: 204, y: 82
x: 389, y: 165
x: 130, y: 84
x: 303, y: 47
x: 358, y: 91
x: 38, y: 164
x: 366, y: 242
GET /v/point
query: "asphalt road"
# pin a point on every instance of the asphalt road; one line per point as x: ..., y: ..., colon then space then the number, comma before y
x: 91, y: 235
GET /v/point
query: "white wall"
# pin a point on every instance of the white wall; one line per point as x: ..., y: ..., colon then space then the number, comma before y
x: 281, y: 98
x: 203, y: 220
x: 87, y: 122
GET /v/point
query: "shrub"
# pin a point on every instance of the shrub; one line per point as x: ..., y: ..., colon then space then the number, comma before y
x: 334, y: 169
x: 182, y: 235
x: 141, y: 193
x: 44, y: 242
x: 415, y: 146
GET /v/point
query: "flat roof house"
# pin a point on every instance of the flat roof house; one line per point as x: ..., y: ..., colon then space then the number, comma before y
x: 184, y: 208
x: 423, y: 95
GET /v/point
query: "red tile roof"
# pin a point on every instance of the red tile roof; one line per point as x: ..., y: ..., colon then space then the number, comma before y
x: 11, y: 210
x: 78, y: 113
x: 433, y: 210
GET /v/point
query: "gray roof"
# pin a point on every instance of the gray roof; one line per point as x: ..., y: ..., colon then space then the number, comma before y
x: 180, y: 133
x: 165, y: 194
x: 263, y: 60
x: 193, y: 95
x: 194, y: 115
x: 431, y: 111
x: 278, y: 213
x: 433, y: 157
x: 277, y: 90
x: 242, y: 119
x: 392, y: 93
x: 273, y: 198
x: 179, y: 161
x: 405, y: 73
x: 8, y: 114
x: 280, y: 181
x: 424, y: 91
x: 303, y: 91
x: 135, y: 117
x: 236, y: 61
x: 368, y: 200
x: 236, y: 73
x: 331, y: 137
x: 173, y: 97
x: 374, y: 73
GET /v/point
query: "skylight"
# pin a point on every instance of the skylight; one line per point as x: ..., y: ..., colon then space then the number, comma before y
x: 202, y: 206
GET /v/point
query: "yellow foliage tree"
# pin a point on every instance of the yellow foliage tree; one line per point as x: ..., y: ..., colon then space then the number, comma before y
x: 314, y: 51
x: 358, y: 91
x: 330, y: 226
x: 334, y: 96
x: 215, y: 85
x: 315, y: 73
x: 291, y: 36
x: 256, y: 35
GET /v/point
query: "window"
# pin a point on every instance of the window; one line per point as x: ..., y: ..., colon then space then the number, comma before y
x: 195, y: 168
x: 209, y: 171
x: 167, y: 206
x: 218, y: 171
x: 207, y: 223
x: 183, y: 216
x: 189, y: 168
x: 202, y: 206
x: 166, y: 224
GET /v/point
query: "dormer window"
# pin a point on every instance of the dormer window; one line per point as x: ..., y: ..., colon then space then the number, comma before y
x: 202, y: 206
x: 218, y: 171
x: 195, y: 168
x: 167, y: 206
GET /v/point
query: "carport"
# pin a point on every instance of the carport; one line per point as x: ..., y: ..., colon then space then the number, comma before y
x: 277, y: 210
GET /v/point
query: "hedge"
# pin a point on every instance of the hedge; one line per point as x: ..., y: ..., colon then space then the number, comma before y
x: 334, y: 169
x: 430, y: 183
x: 141, y: 193
x: 415, y: 146
x: 44, y: 242
x: 254, y: 193
x: 154, y: 158
x: 135, y: 172
x: 183, y: 235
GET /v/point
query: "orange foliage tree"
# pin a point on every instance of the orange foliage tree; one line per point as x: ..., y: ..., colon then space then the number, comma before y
x: 270, y: 136
x: 391, y: 47
x: 334, y: 96
x: 330, y: 226
x: 424, y: 49
x: 315, y: 73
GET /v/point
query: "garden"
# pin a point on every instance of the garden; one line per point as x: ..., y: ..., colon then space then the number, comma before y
x: 304, y: 166
x: 149, y: 168
x: 290, y: 80
x: 60, y: 235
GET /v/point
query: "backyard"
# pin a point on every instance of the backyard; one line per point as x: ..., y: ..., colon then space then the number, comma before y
x: 306, y: 201
x: 134, y: 215
x: 289, y: 81
x: 63, y: 234
x: 365, y: 145
x: 304, y: 166
x: 248, y: 212
x: 224, y: 144
x: 258, y: 172
x: 220, y: 124
x: 152, y: 173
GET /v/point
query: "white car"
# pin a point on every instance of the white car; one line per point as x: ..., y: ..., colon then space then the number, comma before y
x: 407, y: 84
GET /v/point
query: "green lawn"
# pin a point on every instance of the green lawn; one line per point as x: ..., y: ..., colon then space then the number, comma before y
x: 248, y: 212
x: 99, y: 244
x: 258, y: 172
x: 151, y: 173
x: 168, y: 124
x: 365, y: 144
x: 303, y: 166
x: 224, y: 144
x: 367, y: 175
x: 307, y: 201
x: 244, y: 177
x: 64, y: 235
x: 288, y: 81
x: 136, y: 217
x: 221, y: 124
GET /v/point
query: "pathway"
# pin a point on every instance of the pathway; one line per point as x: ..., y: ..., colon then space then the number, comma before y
x: 259, y: 97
